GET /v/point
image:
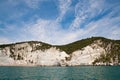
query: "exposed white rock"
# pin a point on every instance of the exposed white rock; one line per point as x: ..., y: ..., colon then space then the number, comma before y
x: 49, y: 57
x: 25, y: 54
x: 5, y: 60
x: 85, y: 56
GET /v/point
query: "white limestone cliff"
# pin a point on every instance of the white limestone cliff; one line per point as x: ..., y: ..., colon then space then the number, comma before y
x: 86, y: 56
x: 48, y: 57
x: 25, y: 54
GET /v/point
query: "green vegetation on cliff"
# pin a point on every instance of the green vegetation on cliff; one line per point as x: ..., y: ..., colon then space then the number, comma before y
x: 112, y: 48
x: 78, y: 45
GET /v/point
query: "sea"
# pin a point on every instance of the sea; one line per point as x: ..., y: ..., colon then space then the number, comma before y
x: 60, y: 73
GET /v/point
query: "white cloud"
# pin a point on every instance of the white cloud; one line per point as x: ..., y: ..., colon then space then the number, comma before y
x: 4, y: 40
x: 48, y: 31
x: 32, y: 3
x: 64, y: 6
x: 106, y: 27
x: 85, y: 10
x: 51, y: 31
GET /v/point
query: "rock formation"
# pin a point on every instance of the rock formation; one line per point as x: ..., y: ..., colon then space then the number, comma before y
x: 90, y: 51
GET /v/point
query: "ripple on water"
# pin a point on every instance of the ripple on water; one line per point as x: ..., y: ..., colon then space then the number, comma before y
x: 60, y: 73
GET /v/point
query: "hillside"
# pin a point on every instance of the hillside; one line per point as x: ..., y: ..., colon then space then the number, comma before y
x: 69, y: 48
x: 90, y: 51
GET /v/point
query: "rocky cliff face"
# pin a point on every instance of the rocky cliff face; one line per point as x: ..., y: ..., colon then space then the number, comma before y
x: 91, y: 51
x: 31, y: 53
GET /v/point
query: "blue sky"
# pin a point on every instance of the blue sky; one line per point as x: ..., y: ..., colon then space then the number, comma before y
x: 58, y: 21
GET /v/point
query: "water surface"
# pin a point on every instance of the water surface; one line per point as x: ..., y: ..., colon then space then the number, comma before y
x: 61, y: 73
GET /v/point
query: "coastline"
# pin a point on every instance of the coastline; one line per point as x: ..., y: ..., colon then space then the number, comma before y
x: 50, y: 65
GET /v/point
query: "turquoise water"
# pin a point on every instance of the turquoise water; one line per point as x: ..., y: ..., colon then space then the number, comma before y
x: 61, y: 73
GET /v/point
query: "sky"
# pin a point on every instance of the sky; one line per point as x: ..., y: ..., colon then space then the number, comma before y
x: 58, y: 22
